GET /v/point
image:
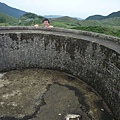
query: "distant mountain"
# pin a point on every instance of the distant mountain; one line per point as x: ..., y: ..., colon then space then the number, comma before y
x: 95, y: 17
x: 11, y: 11
x: 100, y: 17
x: 66, y: 19
x: 52, y: 16
x: 78, y: 18
x: 114, y: 14
x: 58, y: 16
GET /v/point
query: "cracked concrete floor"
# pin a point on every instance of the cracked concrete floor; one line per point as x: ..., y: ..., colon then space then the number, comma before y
x: 39, y: 94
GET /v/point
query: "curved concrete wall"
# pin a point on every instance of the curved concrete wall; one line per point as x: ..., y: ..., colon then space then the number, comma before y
x: 92, y: 57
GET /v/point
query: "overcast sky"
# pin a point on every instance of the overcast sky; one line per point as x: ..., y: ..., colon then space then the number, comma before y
x: 73, y: 8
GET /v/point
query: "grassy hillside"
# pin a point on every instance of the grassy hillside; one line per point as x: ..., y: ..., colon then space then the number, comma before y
x: 30, y: 19
x: 7, y: 20
x: 64, y: 21
x: 108, y: 30
x: 110, y: 26
x: 70, y: 22
x: 115, y: 21
x: 105, y: 22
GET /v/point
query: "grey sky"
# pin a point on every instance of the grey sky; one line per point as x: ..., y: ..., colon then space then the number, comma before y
x: 73, y: 8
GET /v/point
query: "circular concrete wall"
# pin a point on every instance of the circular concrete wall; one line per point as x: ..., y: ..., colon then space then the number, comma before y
x: 92, y: 57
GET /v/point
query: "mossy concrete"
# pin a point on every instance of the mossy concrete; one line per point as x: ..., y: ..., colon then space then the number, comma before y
x: 92, y: 57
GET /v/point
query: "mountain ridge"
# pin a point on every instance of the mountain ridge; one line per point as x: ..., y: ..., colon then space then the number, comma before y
x: 14, y: 12
x: 100, y: 17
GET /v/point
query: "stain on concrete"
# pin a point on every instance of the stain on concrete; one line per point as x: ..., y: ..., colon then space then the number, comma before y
x: 35, y: 94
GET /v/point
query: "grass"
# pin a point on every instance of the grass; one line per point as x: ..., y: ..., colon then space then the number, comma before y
x: 5, y: 19
x: 108, y: 30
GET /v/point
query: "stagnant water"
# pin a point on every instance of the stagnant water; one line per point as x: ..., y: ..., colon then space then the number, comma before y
x: 39, y: 94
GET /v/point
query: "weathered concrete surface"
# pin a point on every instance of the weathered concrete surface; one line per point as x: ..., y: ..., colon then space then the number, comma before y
x: 38, y: 94
x: 93, y: 58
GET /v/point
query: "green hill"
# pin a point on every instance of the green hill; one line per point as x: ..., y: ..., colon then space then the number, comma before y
x: 68, y: 22
x: 109, y: 26
x: 7, y: 19
x: 114, y: 14
x: 11, y: 11
x: 29, y: 19
x: 115, y: 21
x: 64, y: 21
x: 100, y: 17
x: 31, y: 16
x: 95, y: 17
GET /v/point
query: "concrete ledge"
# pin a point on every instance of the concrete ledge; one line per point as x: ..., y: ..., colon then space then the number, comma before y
x: 92, y: 57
